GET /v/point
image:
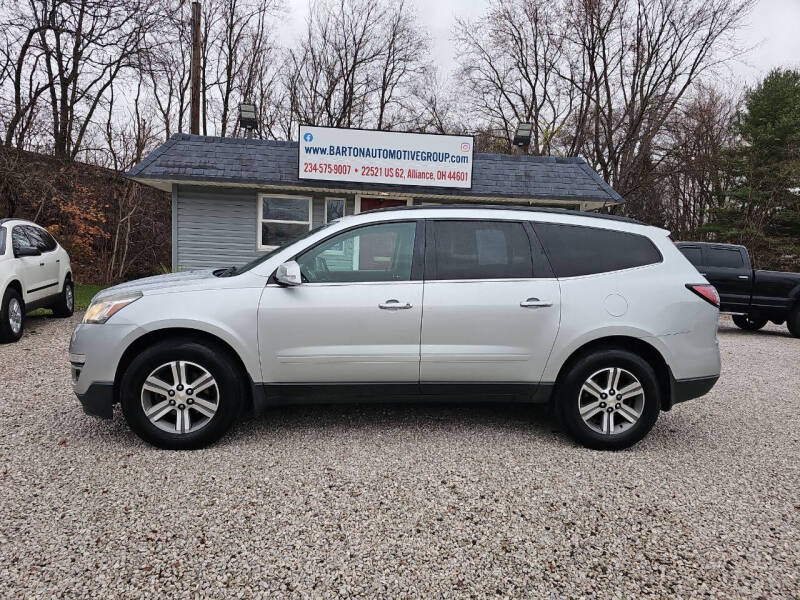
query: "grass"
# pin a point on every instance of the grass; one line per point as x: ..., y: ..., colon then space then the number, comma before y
x: 83, y: 295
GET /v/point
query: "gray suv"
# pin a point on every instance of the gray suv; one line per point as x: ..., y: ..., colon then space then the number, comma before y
x: 601, y: 316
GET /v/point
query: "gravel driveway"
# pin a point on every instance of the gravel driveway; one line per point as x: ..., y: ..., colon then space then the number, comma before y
x: 403, y: 501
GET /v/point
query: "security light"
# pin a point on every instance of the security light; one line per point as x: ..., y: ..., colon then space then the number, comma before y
x: 247, y: 117
x: 522, y: 136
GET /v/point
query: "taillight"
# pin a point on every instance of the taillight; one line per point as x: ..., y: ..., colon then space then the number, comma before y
x: 706, y: 292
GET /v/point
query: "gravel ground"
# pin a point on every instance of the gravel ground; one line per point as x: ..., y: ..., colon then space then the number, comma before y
x: 403, y: 501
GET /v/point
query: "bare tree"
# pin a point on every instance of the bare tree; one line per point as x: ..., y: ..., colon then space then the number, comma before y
x: 259, y: 79
x: 695, y: 173
x: 509, y: 63
x: 599, y: 78
x: 242, y: 26
x: 634, y: 61
x: 20, y: 61
x: 86, y: 44
x: 357, y: 64
x: 166, y: 68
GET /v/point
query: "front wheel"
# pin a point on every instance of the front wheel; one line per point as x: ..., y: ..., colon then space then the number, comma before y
x: 749, y: 323
x: 609, y: 399
x: 12, y: 316
x: 182, y: 394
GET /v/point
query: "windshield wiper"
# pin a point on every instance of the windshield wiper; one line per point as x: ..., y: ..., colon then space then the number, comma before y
x: 227, y: 271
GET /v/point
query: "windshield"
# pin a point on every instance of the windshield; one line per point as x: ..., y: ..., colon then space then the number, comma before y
x: 257, y: 261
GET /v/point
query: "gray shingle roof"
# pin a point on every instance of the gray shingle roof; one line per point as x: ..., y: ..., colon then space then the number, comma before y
x: 188, y: 158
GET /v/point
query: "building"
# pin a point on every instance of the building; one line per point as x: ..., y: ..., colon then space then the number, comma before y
x: 233, y: 198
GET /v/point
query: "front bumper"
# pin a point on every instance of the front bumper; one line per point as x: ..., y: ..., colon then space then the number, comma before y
x: 94, y: 353
x: 98, y: 400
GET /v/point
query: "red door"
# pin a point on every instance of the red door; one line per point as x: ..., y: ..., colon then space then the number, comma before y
x: 373, y: 203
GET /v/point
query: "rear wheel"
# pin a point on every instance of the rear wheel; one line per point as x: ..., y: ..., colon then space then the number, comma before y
x: 748, y: 322
x: 609, y: 399
x: 793, y: 322
x: 12, y: 316
x: 182, y: 394
x: 65, y: 305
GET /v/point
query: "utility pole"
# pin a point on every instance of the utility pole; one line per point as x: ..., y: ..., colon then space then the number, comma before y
x: 195, y: 71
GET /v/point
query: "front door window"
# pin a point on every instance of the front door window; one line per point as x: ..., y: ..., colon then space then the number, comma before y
x: 382, y: 252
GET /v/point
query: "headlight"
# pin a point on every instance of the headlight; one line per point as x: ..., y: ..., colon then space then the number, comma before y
x: 102, y: 310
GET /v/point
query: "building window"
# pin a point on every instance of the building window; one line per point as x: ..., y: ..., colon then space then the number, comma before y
x: 334, y: 209
x: 282, y: 219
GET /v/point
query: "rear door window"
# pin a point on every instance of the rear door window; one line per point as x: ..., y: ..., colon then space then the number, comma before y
x: 481, y: 250
x: 576, y: 250
x: 19, y: 239
x: 693, y: 254
x: 724, y: 258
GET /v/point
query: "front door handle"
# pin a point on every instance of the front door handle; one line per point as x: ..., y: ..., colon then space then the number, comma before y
x: 535, y: 303
x: 744, y: 277
x: 41, y: 264
x: 393, y: 304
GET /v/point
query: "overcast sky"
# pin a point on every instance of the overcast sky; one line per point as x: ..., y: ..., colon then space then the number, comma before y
x: 773, y: 30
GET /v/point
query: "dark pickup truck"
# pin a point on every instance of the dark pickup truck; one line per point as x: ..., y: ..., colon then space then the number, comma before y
x: 752, y: 296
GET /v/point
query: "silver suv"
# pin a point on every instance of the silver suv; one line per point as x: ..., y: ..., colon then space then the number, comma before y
x: 601, y: 316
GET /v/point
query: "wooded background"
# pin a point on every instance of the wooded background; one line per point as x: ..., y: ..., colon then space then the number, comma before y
x: 636, y: 87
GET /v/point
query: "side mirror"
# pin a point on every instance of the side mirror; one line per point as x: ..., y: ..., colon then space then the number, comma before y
x: 27, y: 251
x: 289, y: 274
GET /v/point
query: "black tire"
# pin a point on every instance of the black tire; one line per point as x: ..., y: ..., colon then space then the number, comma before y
x: 65, y: 305
x: 793, y: 322
x: 7, y: 332
x: 215, y: 360
x: 569, y: 396
x: 749, y: 323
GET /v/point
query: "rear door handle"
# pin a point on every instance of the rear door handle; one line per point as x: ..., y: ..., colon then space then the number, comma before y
x: 535, y: 303
x: 393, y: 304
x: 744, y: 277
x: 41, y: 264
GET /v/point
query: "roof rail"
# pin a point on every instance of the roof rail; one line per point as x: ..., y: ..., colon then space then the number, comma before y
x: 541, y: 209
x: 7, y: 219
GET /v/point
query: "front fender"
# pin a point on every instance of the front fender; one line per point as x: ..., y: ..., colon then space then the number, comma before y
x: 228, y: 314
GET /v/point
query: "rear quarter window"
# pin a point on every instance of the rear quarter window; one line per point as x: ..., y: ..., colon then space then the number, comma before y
x: 2, y: 241
x: 576, y: 250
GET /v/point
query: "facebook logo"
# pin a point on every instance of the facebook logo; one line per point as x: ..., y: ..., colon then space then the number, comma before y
x: 308, y: 137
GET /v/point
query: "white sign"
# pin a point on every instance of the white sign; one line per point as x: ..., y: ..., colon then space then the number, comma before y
x: 367, y: 156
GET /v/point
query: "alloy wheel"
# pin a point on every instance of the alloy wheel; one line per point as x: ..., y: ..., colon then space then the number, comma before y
x: 180, y: 397
x: 611, y: 401
x: 70, y: 297
x: 15, y: 315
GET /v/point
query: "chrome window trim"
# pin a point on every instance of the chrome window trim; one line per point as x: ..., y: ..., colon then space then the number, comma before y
x: 343, y: 283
